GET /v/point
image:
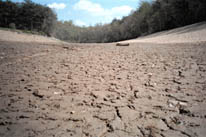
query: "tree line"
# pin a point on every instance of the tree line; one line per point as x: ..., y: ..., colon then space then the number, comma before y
x: 27, y: 15
x: 150, y: 17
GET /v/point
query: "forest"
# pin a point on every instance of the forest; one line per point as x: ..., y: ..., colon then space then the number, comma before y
x: 27, y: 16
x: 149, y: 17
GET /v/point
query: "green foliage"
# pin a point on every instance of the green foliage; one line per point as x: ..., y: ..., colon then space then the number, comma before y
x: 67, y: 31
x: 150, y: 17
x: 27, y: 16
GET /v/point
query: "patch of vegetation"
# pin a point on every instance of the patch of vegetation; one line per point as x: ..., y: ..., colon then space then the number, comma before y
x: 23, y: 31
x: 27, y: 16
x: 12, y: 26
x: 150, y: 17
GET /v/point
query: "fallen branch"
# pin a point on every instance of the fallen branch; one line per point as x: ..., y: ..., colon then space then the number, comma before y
x: 122, y: 44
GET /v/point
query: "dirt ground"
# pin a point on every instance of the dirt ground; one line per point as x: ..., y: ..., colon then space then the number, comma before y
x: 187, y: 34
x: 90, y: 90
x: 49, y: 88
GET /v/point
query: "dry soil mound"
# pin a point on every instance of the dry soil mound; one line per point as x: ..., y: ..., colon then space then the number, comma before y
x: 191, y: 33
x: 23, y: 37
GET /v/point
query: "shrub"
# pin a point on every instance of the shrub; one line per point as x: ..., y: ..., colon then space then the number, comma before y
x: 12, y: 26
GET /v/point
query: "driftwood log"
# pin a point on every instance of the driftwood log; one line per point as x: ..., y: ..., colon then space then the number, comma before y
x: 122, y: 44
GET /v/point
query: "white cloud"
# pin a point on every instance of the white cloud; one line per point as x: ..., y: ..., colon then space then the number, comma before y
x: 86, y: 5
x: 120, y: 10
x: 57, y: 6
x: 96, y: 10
x: 79, y: 23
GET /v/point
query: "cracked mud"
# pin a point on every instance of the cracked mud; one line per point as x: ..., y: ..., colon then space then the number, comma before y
x: 90, y: 90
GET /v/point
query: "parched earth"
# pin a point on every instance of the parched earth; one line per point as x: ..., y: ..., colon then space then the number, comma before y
x: 101, y: 90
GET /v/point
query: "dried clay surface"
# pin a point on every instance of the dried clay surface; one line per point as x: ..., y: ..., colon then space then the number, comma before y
x: 102, y: 90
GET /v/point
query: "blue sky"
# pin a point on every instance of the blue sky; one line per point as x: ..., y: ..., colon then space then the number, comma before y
x: 90, y: 12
